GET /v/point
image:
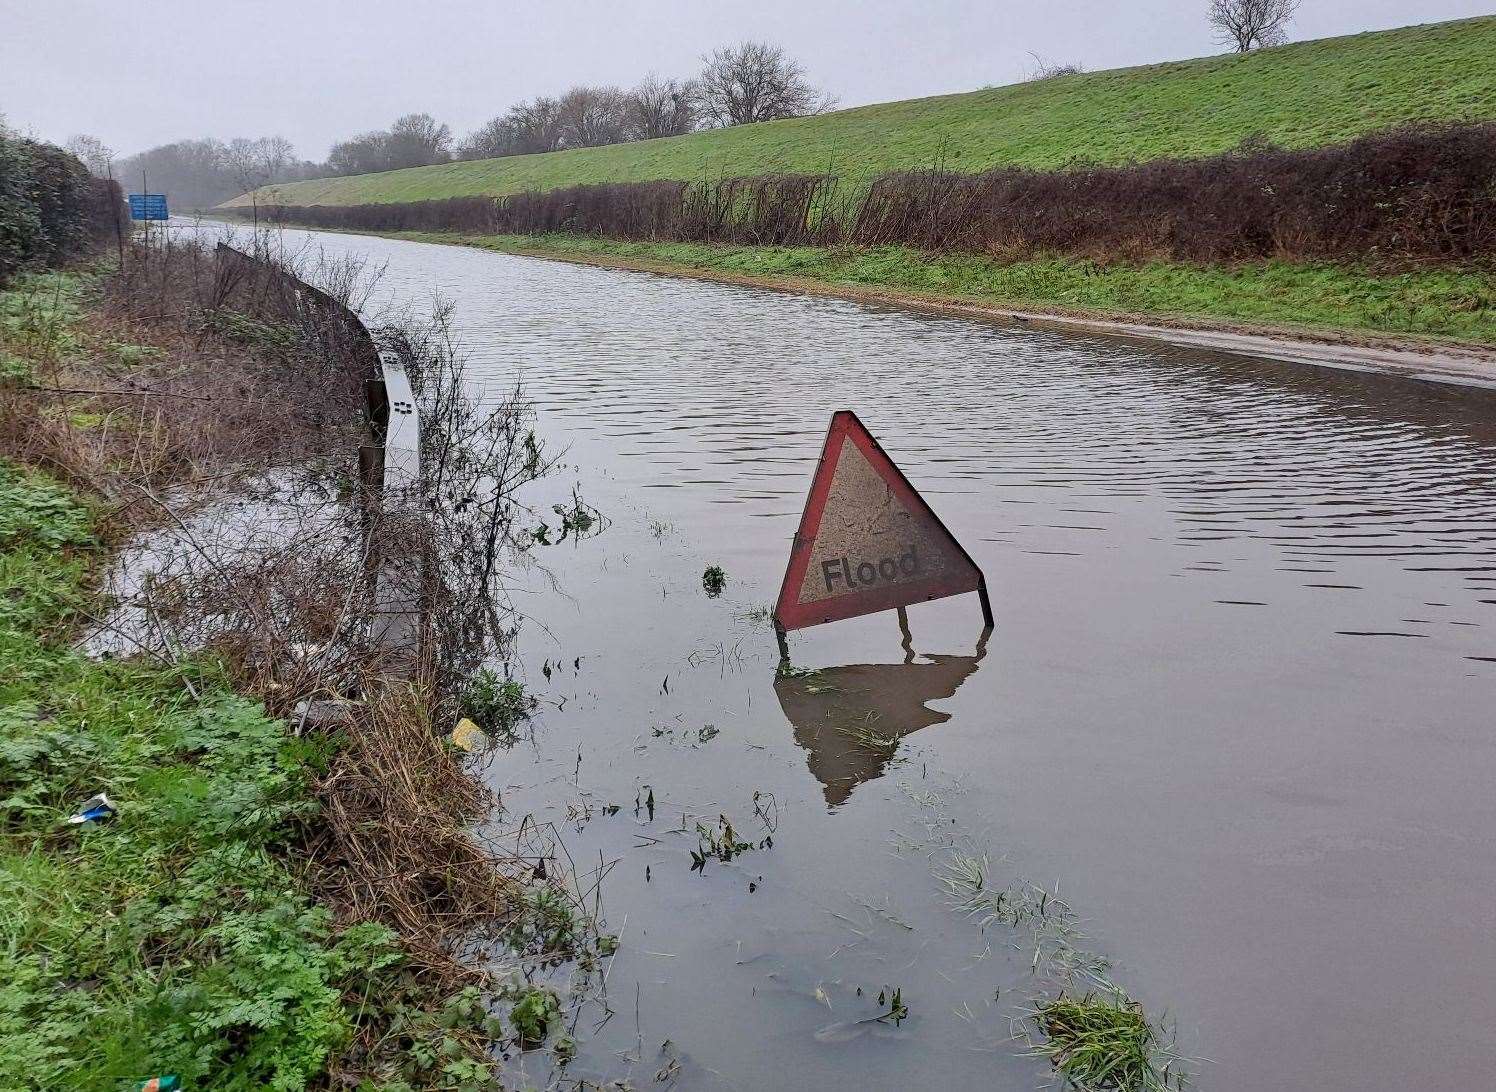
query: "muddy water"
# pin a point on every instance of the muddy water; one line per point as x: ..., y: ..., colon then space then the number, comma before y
x: 1237, y: 705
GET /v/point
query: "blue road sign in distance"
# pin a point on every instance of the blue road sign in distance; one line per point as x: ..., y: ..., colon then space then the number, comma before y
x: 148, y: 206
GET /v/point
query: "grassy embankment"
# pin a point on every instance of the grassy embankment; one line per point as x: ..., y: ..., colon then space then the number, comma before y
x: 1441, y: 305
x: 1301, y: 95
x: 181, y: 936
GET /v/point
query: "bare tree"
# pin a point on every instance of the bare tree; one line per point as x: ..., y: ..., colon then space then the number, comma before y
x: 97, y: 156
x: 492, y: 139
x: 662, y: 108
x: 590, y: 117
x: 198, y: 174
x: 362, y: 154
x: 1251, y: 24
x: 756, y: 81
x: 537, y: 125
x: 255, y: 163
x: 416, y: 140
x: 524, y: 129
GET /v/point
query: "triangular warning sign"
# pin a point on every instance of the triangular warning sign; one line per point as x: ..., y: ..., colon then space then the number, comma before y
x: 867, y: 541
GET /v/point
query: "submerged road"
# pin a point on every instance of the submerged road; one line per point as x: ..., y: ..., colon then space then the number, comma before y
x: 1236, y: 706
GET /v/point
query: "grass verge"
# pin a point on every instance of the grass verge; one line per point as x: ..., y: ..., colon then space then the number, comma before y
x: 1273, y: 297
x: 173, y: 938
x: 259, y: 910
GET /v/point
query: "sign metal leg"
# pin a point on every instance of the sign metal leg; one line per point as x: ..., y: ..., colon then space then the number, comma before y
x: 986, y: 603
x: 784, y: 645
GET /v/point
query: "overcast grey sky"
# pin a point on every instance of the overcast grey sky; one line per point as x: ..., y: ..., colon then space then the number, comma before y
x: 143, y: 72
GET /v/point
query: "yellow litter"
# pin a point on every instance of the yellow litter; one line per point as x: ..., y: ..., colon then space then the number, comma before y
x: 469, y: 736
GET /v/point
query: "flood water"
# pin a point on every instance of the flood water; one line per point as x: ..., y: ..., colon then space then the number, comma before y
x: 1237, y: 705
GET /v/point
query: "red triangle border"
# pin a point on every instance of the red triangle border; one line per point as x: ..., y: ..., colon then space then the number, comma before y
x: 789, y: 613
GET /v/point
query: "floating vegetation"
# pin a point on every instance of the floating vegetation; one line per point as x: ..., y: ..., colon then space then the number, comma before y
x: 688, y: 737
x: 1103, y: 1041
x: 659, y: 528
x: 891, y: 1011
x: 714, y: 581
x: 546, y: 922
x: 721, y: 842
x: 787, y: 670
x: 761, y: 615
x: 578, y: 520
x: 1055, y: 936
x: 726, y: 659
x: 496, y: 704
x: 897, y: 1010
x: 534, y: 1014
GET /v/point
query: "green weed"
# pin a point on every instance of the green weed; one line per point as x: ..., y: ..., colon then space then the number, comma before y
x: 496, y: 704
x: 721, y: 842
x: 273, y: 336
x: 1103, y: 1042
x: 714, y: 581
x: 534, y: 1014
x: 545, y: 922
x: 128, y: 354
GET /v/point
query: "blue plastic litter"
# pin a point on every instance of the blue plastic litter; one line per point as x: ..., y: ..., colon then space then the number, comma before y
x: 95, y: 810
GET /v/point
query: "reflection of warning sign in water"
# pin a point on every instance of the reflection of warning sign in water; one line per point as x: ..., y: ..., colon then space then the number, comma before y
x: 867, y: 541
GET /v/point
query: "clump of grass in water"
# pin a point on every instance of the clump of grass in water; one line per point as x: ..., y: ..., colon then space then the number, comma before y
x: 1104, y: 1042
x: 714, y: 581
x: 496, y: 704
x: 1099, y: 1041
x: 787, y: 670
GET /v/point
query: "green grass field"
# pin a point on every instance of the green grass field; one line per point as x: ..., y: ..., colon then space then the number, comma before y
x: 1437, y: 304
x: 1299, y: 95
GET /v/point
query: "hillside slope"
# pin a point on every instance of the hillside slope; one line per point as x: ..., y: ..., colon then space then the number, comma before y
x: 1298, y: 95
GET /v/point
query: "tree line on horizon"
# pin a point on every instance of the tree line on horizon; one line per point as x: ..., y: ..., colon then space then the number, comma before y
x: 738, y: 85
